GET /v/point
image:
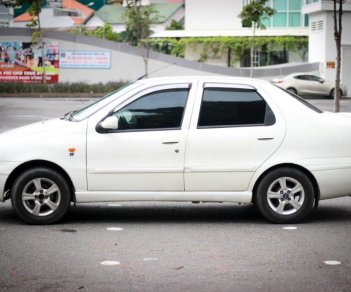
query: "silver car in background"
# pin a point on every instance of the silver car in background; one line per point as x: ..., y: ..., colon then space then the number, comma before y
x: 309, y: 84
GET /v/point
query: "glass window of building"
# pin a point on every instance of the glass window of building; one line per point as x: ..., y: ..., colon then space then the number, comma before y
x: 287, y: 14
x: 311, y: 1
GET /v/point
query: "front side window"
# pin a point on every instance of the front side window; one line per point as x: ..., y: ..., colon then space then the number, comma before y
x: 226, y: 107
x: 157, y: 110
x: 94, y: 107
x: 302, y: 77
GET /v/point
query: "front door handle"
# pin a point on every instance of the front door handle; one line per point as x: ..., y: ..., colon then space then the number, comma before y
x: 265, y: 138
x: 169, y: 142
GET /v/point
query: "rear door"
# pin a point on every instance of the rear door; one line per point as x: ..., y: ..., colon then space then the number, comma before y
x: 233, y: 131
x: 319, y: 86
x: 303, y: 84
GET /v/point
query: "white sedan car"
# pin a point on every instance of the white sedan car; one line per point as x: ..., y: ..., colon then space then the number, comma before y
x: 309, y: 84
x: 209, y: 139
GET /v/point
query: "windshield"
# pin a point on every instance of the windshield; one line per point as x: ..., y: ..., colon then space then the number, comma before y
x: 92, y: 108
x: 300, y: 99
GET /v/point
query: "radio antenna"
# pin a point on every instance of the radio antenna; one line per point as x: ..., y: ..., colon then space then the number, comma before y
x: 159, y: 69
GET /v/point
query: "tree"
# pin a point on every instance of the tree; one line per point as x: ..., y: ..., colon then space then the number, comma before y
x: 106, y: 32
x: 252, y: 14
x: 138, y: 20
x: 337, y: 15
x: 175, y: 25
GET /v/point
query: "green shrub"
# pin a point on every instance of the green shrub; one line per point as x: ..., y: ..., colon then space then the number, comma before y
x: 63, y: 87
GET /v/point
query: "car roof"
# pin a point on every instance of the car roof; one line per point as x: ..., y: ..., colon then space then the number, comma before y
x: 303, y: 73
x: 208, y: 78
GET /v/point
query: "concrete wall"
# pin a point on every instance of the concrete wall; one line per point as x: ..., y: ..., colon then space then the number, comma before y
x: 127, y: 62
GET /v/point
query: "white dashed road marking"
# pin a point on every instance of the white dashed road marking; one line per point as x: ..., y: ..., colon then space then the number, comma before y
x: 290, y: 228
x: 114, y: 228
x: 332, y: 263
x: 110, y: 263
x: 150, y: 259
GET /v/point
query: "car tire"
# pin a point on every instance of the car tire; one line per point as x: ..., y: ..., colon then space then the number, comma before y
x: 292, y: 90
x: 332, y: 93
x: 285, y: 196
x: 40, y: 196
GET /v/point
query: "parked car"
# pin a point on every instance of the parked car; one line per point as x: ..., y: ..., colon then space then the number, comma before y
x: 309, y: 84
x: 209, y: 139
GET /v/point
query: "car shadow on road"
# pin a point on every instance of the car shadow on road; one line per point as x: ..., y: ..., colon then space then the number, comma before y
x: 169, y: 213
x: 178, y: 213
x: 330, y: 214
x: 192, y: 213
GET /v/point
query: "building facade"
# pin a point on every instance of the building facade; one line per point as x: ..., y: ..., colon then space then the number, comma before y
x: 322, y: 47
x: 6, y: 14
x: 216, y: 19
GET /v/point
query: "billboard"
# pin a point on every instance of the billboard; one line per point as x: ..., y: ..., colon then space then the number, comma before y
x: 25, y: 63
x: 85, y: 59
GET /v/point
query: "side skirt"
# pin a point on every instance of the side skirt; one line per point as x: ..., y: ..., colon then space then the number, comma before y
x: 109, y: 196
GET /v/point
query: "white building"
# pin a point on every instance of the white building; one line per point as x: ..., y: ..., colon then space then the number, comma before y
x: 312, y: 18
x: 6, y: 14
x: 322, y: 47
x: 208, y: 18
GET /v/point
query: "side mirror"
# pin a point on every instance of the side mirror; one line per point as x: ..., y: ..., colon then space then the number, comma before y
x: 110, y: 123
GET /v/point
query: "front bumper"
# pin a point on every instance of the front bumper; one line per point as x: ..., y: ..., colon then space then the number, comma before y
x: 5, y: 170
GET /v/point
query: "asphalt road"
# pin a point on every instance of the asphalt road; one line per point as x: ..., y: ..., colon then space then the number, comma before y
x: 170, y: 246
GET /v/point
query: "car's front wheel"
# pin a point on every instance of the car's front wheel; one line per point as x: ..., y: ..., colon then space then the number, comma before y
x: 40, y: 196
x: 285, y: 195
x: 292, y: 90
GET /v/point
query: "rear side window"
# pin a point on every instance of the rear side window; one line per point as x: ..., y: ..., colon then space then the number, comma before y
x: 228, y: 107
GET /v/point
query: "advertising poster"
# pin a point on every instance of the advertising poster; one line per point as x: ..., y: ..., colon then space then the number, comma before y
x: 23, y: 62
x: 85, y: 59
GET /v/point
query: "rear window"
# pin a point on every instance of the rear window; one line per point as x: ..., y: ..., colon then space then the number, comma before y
x: 301, y: 100
x: 227, y: 107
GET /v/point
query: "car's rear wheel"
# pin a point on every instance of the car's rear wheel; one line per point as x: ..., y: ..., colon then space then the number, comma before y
x: 285, y: 195
x: 40, y: 196
x: 332, y: 93
x: 292, y: 90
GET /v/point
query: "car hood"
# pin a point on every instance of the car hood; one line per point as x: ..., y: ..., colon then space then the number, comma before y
x: 40, y: 127
x: 45, y: 140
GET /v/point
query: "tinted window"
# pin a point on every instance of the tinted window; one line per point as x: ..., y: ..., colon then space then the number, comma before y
x: 315, y: 78
x: 158, y: 110
x: 233, y: 107
x: 302, y: 77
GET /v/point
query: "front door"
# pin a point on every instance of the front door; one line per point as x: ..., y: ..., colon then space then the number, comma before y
x: 146, y: 151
